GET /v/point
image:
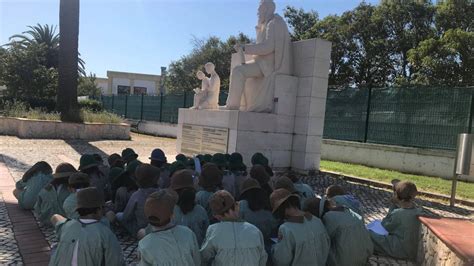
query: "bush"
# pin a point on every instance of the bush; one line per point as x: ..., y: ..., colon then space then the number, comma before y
x: 93, y: 105
x: 22, y: 110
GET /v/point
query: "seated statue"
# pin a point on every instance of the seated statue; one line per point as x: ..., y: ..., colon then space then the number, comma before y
x: 272, y: 55
x: 207, y: 97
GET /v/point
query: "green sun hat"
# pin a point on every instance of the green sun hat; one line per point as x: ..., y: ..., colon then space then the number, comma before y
x: 87, y: 161
x: 259, y: 158
x: 219, y: 160
x: 181, y: 158
x: 236, y: 162
x: 129, y: 155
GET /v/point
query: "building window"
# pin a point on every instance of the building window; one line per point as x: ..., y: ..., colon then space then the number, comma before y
x: 139, y: 90
x: 123, y: 90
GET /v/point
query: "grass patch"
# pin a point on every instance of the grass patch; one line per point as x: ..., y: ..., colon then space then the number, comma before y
x: 425, y: 183
x: 21, y: 110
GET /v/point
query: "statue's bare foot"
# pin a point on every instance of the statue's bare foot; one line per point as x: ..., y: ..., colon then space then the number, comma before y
x: 193, y: 108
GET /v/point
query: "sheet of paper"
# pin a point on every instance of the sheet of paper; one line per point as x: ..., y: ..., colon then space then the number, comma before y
x: 377, y: 227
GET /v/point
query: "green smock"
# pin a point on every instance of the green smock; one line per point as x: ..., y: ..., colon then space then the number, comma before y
x: 262, y: 219
x: 304, y: 191
x: 302, y: 241
x: 50, y: 201
x: 176, y: 245
x: 70, y: 205
x: 31, y: 189
x: 196, y: 220
x: 403, y: 227
x: 233, y: 243
x: 202, y: 198
x: 350, y: 240
x: 96, y: 244
x: 350, y: 202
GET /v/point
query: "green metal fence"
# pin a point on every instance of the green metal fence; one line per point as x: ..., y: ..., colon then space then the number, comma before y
x: 414, y: 117
x: 151, y: 108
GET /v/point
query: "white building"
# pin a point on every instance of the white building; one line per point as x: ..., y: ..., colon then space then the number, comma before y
x: 123, y: 83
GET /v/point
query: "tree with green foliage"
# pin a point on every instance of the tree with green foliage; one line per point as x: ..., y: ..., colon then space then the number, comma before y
x: 395, y: 42
x: 68, y: 59
x: 300, y: 21
x: 181, y: 75
x: 25, y: 73
x: 88, y: 87
x: 47, y: 36
x: 447, y: 60
x: 406, y: 24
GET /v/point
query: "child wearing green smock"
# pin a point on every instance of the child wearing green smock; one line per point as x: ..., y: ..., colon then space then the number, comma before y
x: 86, y: 241
x: 402, y: 225
x: 210, y: 180
x: 30, y: 185
x: 133, y: 217
x: 304, y: 190
x: 259, y: 173
x: 350, y: 240
x: 90, y: 166
x: 239, y: 172
x: 158, y: 159
x: 76, y: 182
x: 231, y: 242
x: 254, y: 208
x: 168, y: 243
x: 302, y: 238
x: 186, y: 211
x: 52, y: 196
x: 337, y: 195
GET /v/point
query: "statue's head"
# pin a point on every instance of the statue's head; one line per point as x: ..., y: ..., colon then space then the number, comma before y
x: 266, y: 10
x: 200, y: 75
x: 210, y: 67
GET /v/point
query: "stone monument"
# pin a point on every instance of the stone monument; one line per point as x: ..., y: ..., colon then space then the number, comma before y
x: 207, y: 97
x: 276, y: 103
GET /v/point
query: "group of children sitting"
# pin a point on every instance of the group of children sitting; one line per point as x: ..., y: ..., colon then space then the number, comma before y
x: 186, y: 213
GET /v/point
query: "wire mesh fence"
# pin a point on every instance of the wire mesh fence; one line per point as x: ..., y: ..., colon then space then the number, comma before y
x: 414, y: 117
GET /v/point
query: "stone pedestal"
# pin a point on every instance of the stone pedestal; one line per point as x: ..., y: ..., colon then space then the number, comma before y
x: 290, y: 136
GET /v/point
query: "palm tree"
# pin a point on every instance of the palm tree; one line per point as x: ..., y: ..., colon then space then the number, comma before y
x: 44, y: 35
x: 68, y: 60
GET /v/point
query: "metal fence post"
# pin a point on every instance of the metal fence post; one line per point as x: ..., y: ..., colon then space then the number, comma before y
x: 469, y: 124
x: 126, y: 105
x: 184, y: 101
x: 367, y: 116
x: 112, y: 108
x: 161, y: 107
x: 141, y: 110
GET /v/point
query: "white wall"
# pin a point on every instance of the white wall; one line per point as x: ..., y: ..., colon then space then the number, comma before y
x: 438, y: 163
x: 158, y: 129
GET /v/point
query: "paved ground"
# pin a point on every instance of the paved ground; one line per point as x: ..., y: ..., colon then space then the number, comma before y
x: 19, y: 155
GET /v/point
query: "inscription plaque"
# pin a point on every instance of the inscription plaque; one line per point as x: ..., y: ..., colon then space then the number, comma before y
x: 203, y: 140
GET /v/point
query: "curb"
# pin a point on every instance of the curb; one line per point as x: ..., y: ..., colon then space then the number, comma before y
x: 378, y: 184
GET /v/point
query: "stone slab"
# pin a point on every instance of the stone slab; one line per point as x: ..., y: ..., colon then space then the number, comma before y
x: 41, y: 129
x: 457, y: 234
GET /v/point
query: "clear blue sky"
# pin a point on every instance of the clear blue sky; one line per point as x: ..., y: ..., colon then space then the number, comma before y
x: 143, y: 35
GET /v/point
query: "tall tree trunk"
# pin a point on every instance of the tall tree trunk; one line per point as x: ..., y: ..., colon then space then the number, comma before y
x: 68, y: 59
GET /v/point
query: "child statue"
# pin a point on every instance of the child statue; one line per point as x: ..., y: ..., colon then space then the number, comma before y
x: 207, y: 96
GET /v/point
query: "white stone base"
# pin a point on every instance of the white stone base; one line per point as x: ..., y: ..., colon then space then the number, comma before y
x: 270, y: 134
